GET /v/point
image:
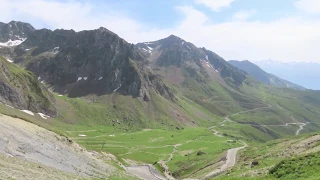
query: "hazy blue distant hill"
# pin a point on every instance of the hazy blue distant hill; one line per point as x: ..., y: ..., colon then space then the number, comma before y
x: 302, y: 73
x: 262, y: 76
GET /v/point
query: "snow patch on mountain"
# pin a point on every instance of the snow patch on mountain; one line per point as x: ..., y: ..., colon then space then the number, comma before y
x: 11, y: 43
x: 27, y: 112
x: 117, y: 88
x: 9, y: 60
x: 43, y: 116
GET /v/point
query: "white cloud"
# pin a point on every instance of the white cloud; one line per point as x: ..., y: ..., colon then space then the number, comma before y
x: 311, y: 6
x: 215, y: 5
x: 243, y: 15
x: 289, y: 39
x: 69, y: 14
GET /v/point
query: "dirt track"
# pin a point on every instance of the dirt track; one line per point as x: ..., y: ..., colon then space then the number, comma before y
x: 24, y: 145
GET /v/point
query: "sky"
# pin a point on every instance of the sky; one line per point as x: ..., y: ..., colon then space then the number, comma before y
x: 282, y: 30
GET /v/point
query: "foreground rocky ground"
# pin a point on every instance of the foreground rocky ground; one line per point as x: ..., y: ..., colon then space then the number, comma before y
x: 28, y: 151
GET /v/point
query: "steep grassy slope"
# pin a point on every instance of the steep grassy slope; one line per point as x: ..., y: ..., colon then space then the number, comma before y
x: 302, y: 167
x: 126, y: 113
x: 290, y: 158
x: 21, y: 89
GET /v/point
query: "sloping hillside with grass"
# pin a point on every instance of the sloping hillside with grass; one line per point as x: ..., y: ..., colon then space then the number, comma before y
x: 289, y: 158
x: 21, y: 89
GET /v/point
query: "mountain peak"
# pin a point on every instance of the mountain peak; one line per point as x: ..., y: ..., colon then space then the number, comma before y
x: 173, y: 38
x: 14, y: 32
x: 19, y: 24
x: 14, y: 22
x: 102, y: 29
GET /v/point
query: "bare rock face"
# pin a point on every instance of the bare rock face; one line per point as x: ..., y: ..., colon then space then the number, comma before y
x: 21, y: 89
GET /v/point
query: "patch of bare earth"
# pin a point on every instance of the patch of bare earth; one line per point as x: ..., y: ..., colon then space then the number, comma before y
x: 304, y: 146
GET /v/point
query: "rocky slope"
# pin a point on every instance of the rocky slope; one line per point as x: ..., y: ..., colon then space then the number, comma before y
x: 22, y: 90
x: 28, y: 151
x: 262, y: 76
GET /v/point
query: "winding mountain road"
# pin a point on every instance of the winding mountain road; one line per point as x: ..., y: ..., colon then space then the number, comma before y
x: 164, y: 163
x: 145, y: 172
x: 229, y: 163
x: 230, y: 157
x: 301, y: 126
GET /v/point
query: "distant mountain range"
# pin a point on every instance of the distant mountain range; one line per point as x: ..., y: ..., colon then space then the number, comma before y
x: 262, y: 76
x: 303, y: 73
x: 95, y: 81
x: 167, y: 83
